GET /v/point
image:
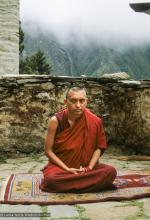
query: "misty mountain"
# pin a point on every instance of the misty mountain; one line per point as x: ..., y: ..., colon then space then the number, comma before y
x: 90, y: 59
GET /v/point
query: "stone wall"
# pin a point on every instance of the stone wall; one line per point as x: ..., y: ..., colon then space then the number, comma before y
x: 9, y: 37
x: 26, y: 103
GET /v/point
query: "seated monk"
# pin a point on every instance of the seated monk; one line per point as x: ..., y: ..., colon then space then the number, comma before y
x: 74, y: 143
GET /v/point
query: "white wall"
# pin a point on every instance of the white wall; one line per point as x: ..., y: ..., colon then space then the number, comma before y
x: 9, y: 37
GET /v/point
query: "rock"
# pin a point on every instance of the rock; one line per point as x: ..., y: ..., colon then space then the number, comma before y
x: 119, y: 75
x: 130, y: 82
x: 47, y: 86
x: 43, y: 96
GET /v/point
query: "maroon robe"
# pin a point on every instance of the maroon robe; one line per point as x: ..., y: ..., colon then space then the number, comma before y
x: 75, y: 147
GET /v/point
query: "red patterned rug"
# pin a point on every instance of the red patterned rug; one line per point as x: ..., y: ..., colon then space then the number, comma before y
x: 24, y: 189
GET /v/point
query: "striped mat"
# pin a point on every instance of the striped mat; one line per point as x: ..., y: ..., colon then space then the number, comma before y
x: 24, y: 189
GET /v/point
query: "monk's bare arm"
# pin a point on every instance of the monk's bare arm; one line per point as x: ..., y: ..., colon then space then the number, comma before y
x: 49, y: 143
x: 93, y: 161
x: 95, y: 158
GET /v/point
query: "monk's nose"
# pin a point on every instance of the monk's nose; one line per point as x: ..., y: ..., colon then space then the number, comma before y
x: 78, y: 104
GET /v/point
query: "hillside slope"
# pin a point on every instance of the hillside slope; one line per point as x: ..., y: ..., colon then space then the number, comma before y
x: 90, y: 59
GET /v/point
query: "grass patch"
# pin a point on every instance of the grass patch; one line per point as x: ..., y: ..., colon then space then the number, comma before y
x: 44, y: 209
x: 139, y: 214
x: 3, y: 158
x: 81, y: 211
x: 32, y: 169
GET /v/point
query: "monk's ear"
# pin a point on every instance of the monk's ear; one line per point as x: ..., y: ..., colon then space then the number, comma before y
x: 65, y: 101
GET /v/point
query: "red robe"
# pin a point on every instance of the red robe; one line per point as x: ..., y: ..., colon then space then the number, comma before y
x: 75, y: 147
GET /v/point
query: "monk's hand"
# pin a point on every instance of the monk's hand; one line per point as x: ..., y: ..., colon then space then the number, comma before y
x: 84, y: 169
x: 73, y: 170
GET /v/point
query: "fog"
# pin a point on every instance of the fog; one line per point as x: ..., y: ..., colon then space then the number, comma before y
x: 109, y: 22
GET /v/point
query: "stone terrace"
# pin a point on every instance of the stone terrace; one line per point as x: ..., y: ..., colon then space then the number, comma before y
x: 123, y: 210
x: 26, y: 104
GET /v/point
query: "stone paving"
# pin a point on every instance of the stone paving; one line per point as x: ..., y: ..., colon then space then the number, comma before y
x: 124, y: 210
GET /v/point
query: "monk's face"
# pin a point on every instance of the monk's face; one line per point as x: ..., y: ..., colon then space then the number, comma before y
x: 76, y: 102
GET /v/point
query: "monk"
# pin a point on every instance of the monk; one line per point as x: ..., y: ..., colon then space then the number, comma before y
x: 74, y: 143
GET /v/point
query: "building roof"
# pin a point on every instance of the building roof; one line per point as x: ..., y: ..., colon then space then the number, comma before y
x: 141, y: 7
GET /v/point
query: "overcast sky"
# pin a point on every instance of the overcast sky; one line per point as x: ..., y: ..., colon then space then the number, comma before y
x: 106, y: 21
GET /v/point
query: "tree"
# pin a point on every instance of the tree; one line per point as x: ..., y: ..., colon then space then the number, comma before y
x: 24, y: 67
x: 36, y: 64
x: 39, y: 63
x: 21, y: 39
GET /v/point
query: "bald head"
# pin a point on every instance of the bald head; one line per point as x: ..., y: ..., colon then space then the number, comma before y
x: 75, y: 89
